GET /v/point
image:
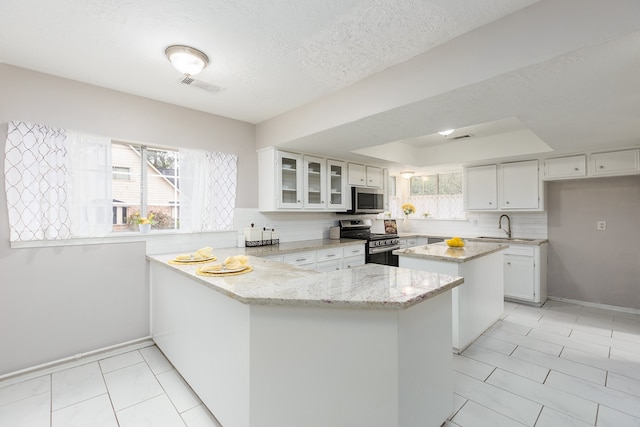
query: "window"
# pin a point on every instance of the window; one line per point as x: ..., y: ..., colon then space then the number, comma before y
x: 63, y: 185
x: 121, y: 173
x: 437, y: 196
x: 151, y: 186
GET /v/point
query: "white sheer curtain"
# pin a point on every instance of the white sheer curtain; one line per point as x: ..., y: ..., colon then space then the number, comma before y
x: 208, y: 183
x: 36, y: 169
x: 90, y: 199
x: 58, y: 184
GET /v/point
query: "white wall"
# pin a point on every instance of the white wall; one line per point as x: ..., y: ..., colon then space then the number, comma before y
x: 60, y: 301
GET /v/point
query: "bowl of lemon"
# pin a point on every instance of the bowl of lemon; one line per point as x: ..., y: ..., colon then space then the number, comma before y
x: 455, y: 242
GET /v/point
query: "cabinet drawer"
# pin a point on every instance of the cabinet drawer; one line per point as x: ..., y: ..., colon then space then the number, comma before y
x: 329, y: 254
x: 353, y: 251
x: 565, y: 167
x: 301, y: 258
x: 333, y: 265
x: 615, y: 163
x: 520, y: 250
x: 353, y: 261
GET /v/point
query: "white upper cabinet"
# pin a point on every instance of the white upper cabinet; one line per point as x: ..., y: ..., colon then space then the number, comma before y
x: 299, y: 182
x: 503, y: 187
x: 337, y: 185
x: 290, y: 180
x: 374, y: 177
x: 480, y: 188
x: 315, y: 183
x: 357, y: 175
x: 519, y: 185
x: 565, y: 167
x: 625, y: 162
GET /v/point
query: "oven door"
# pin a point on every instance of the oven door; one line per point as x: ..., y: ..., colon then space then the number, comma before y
x: 384, y: 257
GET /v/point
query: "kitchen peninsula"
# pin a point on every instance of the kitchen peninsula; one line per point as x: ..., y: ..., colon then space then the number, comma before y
x: 480, y: 301
x: 282, y: 346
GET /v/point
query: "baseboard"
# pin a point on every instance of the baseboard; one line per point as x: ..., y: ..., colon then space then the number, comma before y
x: 72, y: 361
x: 597, y: 305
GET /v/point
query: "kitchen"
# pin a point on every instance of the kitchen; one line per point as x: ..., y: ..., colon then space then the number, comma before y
x: 62, y: 301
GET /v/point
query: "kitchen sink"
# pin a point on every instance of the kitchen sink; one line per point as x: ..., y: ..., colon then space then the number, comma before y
x: 506, y: 239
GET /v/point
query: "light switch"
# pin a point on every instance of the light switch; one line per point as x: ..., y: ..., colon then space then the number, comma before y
x: 601, y: 225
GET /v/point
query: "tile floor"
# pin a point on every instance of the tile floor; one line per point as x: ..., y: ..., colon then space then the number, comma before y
x: 558, y: 365
x: 135, y: 389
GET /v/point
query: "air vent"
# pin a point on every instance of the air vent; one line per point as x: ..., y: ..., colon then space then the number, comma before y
x: 209, y: 87
x: 460, y: 137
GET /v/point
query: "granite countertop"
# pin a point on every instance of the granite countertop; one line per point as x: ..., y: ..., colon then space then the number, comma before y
x: 370, y: 286
x: 442, y: 252
x: 503, y: 240
x: 304, y: 245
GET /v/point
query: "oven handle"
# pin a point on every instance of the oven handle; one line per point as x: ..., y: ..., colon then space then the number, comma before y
x: 373, y: 251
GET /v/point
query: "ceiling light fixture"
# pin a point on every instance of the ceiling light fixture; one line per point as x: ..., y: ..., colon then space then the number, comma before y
x: 189, y: 61
x: 447, y: 132
x: 406, y: 174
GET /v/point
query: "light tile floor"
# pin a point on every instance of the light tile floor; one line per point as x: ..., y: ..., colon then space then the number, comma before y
x: 558, y: 365
x: 135, y: 389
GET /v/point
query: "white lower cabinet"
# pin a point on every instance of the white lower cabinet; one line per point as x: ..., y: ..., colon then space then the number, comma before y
x: 302, y: 259
x: 525, y: 273
x: 330, y: 259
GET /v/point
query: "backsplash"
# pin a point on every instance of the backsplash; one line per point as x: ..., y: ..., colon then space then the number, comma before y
x: 296, y: 226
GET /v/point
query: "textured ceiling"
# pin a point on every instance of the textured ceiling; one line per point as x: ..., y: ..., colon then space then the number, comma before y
x: 363, y: 80
x: 268, y: 56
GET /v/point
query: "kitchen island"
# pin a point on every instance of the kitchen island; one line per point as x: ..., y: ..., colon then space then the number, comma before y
x: 477, y: 304
x: 282, y: 346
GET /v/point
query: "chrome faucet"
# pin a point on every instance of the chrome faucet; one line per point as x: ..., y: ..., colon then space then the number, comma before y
x: 508, y: 230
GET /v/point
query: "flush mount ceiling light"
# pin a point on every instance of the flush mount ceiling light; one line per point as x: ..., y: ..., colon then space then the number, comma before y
x: 406, y: 174
x: 187, y: 60
x: 447, y: 132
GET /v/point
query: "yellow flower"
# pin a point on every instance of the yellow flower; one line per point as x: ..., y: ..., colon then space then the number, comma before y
x: 408, y: 208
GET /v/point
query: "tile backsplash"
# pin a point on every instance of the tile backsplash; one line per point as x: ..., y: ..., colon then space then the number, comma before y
x: 296, y: 226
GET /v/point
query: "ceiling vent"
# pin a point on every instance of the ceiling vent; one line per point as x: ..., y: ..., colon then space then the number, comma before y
x: 209, y: 87
x: 460, y: 137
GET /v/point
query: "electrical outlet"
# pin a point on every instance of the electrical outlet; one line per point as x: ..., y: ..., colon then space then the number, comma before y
x: 601, y: 225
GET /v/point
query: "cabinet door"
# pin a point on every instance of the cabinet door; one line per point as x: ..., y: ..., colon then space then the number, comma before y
x: 315, y: 176
x: 480, y: 192
x: 374, y: 177
x: 624, y: 162
x: 519, y: 277
x: 337, y: 185
x: 289, y: 170
x: 357, y: 175
x: 520, y: 185
x: 565, y: 167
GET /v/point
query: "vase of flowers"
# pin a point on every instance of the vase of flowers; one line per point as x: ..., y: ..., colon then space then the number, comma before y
x: 144, y: 223
x: 407, y: 209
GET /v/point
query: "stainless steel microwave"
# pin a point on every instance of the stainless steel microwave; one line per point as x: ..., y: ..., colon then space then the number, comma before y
x: 366, y: 200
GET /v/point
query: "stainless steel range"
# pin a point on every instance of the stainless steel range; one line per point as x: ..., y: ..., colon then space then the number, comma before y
x: 378, y: 247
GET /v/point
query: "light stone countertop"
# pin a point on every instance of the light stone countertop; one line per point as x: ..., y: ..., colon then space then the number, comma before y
x: 370, y: 286
x: 503, y: 240
x: 304, y: 245
x: 442, y: 252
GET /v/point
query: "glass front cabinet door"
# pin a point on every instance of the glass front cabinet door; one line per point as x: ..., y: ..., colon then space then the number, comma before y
x: 315, y: 193
x: 337, y: 185
x: 290, y: 180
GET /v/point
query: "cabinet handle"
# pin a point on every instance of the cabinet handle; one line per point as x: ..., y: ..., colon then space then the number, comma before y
x: 490, y: 203
x: 300, y: 259
x: 601, y: 167
x: 576, y: 169
x: 508, y: 263
x: 330, y: 255
x: 507, y: 202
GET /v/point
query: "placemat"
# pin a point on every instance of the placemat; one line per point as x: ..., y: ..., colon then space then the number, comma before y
x: 199, y: 272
